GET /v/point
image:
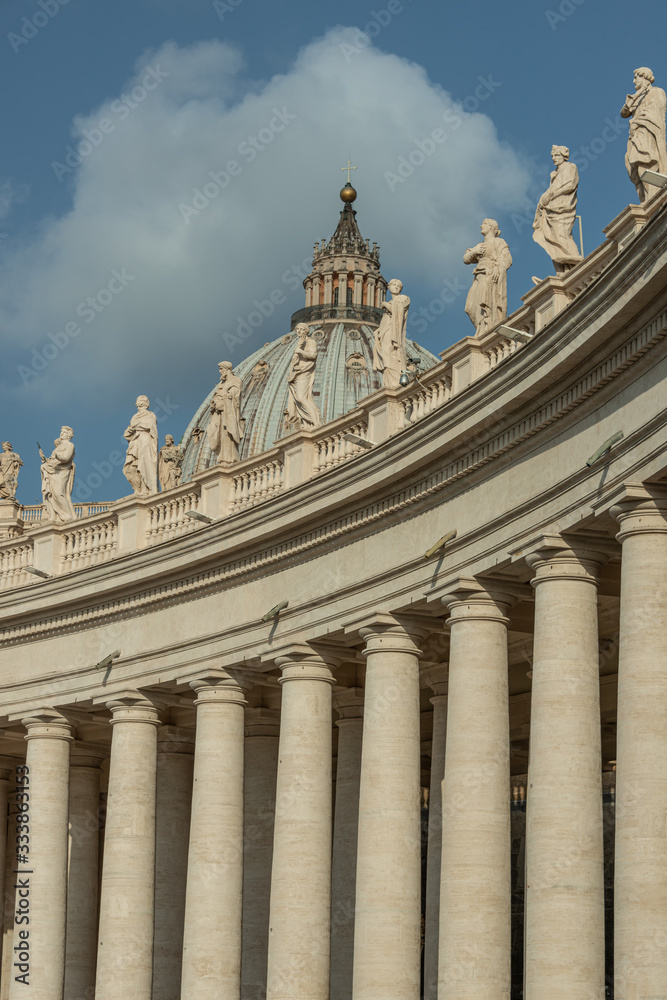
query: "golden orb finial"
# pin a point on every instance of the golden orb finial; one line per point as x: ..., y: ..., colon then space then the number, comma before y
x: 348, y: 194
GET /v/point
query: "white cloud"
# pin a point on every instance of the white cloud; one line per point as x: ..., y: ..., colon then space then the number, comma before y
x: 194, y: 112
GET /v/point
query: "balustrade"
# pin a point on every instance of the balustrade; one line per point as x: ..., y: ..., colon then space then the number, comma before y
x: 254, y: 485
x: 168, y: 517
x: 13, y: 560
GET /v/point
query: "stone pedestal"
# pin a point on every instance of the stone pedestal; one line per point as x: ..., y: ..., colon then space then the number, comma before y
x: 175, y: 749
x: 262, y: 729
x: 564, y: 924
x: 350, y: 707
x: 125, y: 948
x: 475, y: 884
x: 212, y: 936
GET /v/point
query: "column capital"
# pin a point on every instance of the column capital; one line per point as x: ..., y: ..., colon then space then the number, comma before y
x: 175, y: 740
x: 87, y: 755
x: 349, y: 703
x: 48, y: 723
x: 132, y: 706
x: 262, y: 722
x: 435, y: 676
x: 300, y: 660
x: 392, y: 632
x: 476, y: 598
x: 567, y: 557
x: 640, y: 510
x: 217, y: 685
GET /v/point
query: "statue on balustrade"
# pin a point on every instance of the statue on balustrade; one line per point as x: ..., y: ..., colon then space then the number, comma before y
x: 646, y: 141
x: 486, y: 304
x: 58, y: 479
x: 140, y: 468
x: 302, y: 413
x: 389, y: 350
x: 10, y: 463
x: 225, y: 427
x: 556, y: 212
x: 170, y: 460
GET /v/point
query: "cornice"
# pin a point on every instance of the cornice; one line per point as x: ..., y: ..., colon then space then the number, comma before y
x: 485, y: 451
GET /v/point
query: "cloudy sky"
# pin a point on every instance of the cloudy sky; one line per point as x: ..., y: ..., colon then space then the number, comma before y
x: 168, y: 164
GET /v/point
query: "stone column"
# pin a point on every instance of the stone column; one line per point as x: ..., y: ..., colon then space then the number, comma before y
x: 436, y: 678
x: 350, y: 706
x: 213, y: 900
x: 175, y: 749
x: 125, y: 948
x: 370, y: 294
x: 83, y: 873
x: 564, y: 922
x: 358, y: 289
x: 42, y: 868
x: 298, y: 961
x: 262, y: 729
x: 328, y: 289
x: 475, y: 880
x: 387, y: 933
x: 640, y: 883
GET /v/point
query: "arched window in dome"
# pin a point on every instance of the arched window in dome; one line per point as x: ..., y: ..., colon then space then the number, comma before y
x: 335, y: 300
x: 348, y: 301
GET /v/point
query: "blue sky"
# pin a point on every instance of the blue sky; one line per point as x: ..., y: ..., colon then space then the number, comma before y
x: 170, y: 92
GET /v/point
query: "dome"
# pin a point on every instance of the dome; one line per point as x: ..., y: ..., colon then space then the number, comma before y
x: 343, y: 376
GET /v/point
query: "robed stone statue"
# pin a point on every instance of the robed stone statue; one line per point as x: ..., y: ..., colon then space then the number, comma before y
x: 389, y: 349
x: 225, y: 427
x: 486, y: 304
x: 302, y: 412
x: 10, y: 463
x: 556, y: 212
x: 58, y: 479
x: 169, y: 464
x: 140, y: 468
x: 646, y: 141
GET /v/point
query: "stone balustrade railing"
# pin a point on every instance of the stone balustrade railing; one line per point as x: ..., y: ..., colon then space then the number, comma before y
x: 104, y: 530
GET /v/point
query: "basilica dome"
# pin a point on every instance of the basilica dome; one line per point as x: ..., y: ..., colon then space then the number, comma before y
x: 343, y: 308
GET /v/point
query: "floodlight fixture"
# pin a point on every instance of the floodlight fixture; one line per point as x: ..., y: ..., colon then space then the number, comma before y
x: 512, y: 334
x: 108, y: 660
x: 37, y: 572
x: 196, y: 515
x: 604, y: 448
x: 274, y: 612
x: 357, y: 439
x: 440, y: 544
x: 654, y: 178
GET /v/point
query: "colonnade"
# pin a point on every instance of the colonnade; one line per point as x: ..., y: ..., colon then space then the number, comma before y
x: 242, y: 875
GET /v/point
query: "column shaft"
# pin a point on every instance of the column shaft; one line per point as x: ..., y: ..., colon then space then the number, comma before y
x: 261, y: 768
x: 83, y: 875
x: 172, y: 830
x: 475, y: 887
x: 213, y: 900
x: 346, y: 822
x: 564, y: 929
x: 640, y: 882
x: 125, y: 948
x: 434, y: 852
x: 388, y: 906
x: 42, y: 861
x: 299, y: 946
